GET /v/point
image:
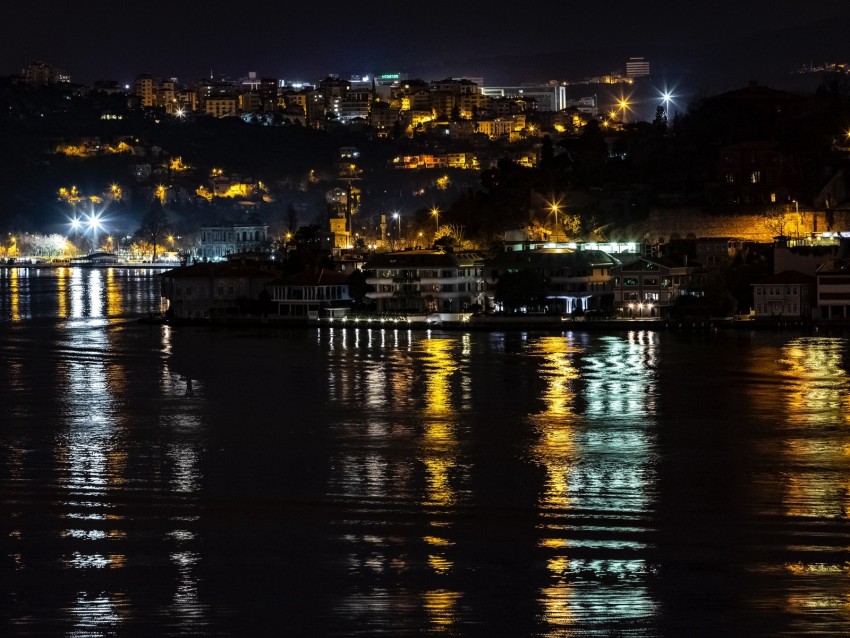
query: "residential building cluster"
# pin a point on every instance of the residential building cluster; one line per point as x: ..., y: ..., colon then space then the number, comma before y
x: 632, y: 281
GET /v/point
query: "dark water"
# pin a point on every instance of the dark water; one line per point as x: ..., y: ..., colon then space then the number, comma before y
x: 308, y: 482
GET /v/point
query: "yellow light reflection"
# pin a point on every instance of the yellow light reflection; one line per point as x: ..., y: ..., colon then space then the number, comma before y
x: 62, y: 277
x: 814, y: 390
x: 595, y: 460
x: 14, y: 295
x: 441, y: 606
x: 440, y: 459
x: 114, y: 307
x: 554, y: 425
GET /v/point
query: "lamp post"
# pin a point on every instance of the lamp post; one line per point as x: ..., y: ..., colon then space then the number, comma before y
x: 623, y: 105
x: 666, y: 97
x: 397, y: 217
x: 554, y: 208
x: 436, y: 213
x: 94, y: 224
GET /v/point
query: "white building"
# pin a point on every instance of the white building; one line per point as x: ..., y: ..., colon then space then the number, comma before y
x: 425, y: 281
x: 788, y: 295
x: 637, y: 68
x: 217, y: 242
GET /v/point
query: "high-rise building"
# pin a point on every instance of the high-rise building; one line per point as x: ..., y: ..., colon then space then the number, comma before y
x: 637, y: 68
x: 42, y: 74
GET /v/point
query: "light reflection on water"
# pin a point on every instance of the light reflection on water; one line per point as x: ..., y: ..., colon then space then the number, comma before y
x: 810, y: 444
x: 412, y: 482
x: 596, y: 462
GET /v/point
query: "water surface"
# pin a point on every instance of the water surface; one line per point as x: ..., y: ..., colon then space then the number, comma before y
x: 186, y: 481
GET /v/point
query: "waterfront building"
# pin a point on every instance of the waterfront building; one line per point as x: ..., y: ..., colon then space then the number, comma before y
x: 788, y: 294
x: 425, y: 281
x: 648, y: 286
x: 572, y: 280
x: 310, y: 294
x: 833, y: 289
x: 209, y: 290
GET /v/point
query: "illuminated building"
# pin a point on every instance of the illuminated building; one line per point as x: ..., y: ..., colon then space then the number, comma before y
x: 647, y: 286
x: 547, y: 97
x: 425, y: 281
x: 637, y: 67
x: 219, y: 241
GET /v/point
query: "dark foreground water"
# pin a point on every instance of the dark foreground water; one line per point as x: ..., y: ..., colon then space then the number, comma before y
x: 312, y: 482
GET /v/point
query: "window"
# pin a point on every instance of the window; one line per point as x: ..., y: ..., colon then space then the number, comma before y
x: 630, y: 281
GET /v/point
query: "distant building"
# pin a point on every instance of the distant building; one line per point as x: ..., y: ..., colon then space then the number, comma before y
x: 547, y: 97
x: 42, y: 74
x: 637, y: 67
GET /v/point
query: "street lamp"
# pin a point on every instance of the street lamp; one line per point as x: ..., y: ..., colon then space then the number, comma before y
x: 555, y: 208
x: 94, y: 224
x: 623, y: 105
x: 666, y: 98
x: 436, y: 213
x: 397, y: 217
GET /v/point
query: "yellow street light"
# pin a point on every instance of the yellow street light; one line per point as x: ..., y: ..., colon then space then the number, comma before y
x: 436, y: 213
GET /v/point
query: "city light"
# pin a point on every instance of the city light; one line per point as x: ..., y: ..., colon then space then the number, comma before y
x: 397, y: 217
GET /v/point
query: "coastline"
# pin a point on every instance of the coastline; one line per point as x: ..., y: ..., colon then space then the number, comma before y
x: 496, y: 324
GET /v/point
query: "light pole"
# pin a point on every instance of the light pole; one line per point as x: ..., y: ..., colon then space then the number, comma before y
x: 397, y: 217
x: 666, y: 97
x: 436, y: 213
x: 554, y: 208
x: 94, y: 224
x: 623, y: 105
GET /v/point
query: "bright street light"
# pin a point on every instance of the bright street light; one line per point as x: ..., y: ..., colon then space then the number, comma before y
x: 397, y: 217
x: 436, y: 213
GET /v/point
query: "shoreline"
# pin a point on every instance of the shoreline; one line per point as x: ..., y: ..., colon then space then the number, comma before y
x: 495, y: 324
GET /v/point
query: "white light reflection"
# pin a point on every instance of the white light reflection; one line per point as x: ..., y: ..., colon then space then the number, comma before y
x: 596, y: 462
x: 97, y: 615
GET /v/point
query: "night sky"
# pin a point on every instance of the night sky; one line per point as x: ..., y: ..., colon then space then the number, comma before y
x: 94, y: 39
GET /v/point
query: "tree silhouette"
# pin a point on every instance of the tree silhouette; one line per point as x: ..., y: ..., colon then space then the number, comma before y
x: 154, y: 226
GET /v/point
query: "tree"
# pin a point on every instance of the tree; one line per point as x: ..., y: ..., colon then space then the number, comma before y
x: 154, y: 226
x: 516, y: 289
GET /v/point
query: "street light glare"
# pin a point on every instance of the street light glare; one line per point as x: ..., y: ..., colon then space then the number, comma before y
x: 94, y: 222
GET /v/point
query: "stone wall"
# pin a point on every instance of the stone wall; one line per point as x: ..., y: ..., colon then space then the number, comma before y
x: 682, y: 222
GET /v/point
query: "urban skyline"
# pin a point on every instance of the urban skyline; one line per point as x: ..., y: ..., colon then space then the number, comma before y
x: 304, y: 43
